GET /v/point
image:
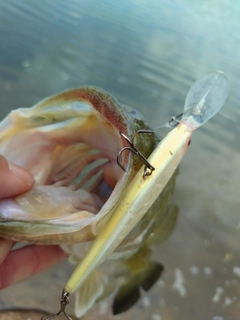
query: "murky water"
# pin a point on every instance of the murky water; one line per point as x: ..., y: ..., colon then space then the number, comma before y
x: 147, y: 54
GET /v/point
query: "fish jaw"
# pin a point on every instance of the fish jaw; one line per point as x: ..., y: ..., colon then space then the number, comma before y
x: 73, y: 134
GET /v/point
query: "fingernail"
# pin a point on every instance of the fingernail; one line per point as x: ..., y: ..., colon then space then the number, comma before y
x: 21, y: 173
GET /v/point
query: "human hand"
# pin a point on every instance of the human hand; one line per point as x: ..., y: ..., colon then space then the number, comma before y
x: 21, y: 263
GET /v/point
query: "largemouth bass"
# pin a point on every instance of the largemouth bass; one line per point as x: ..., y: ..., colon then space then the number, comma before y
x: 70, y: 143
x: 123, y: 224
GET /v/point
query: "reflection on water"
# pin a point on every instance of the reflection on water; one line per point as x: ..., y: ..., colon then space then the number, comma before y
x: 147, y: 54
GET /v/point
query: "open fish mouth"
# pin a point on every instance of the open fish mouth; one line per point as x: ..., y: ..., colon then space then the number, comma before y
x: 70, y: 143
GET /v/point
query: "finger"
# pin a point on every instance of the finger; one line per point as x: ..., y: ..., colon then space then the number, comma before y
x: 27, y: 261
x: 14, y: 180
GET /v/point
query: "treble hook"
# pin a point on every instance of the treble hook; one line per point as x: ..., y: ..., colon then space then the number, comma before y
x: 148, y: 169
x: 63, y: 304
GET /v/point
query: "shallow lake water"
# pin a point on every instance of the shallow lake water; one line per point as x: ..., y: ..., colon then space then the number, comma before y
x: 146, y: 53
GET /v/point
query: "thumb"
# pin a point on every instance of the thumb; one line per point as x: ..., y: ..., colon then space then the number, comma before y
x: 14, y: 180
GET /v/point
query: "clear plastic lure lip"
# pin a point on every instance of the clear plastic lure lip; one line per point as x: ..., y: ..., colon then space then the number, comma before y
x: 204, y: 99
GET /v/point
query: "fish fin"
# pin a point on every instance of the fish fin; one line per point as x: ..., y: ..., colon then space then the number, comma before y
x: 152, y: 274
x: 89, y: 293
x: 129, y: 293
x: 126, y: 297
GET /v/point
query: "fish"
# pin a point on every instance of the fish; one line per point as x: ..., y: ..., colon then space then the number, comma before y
x: 122, y: 236
x: 70, y: 143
